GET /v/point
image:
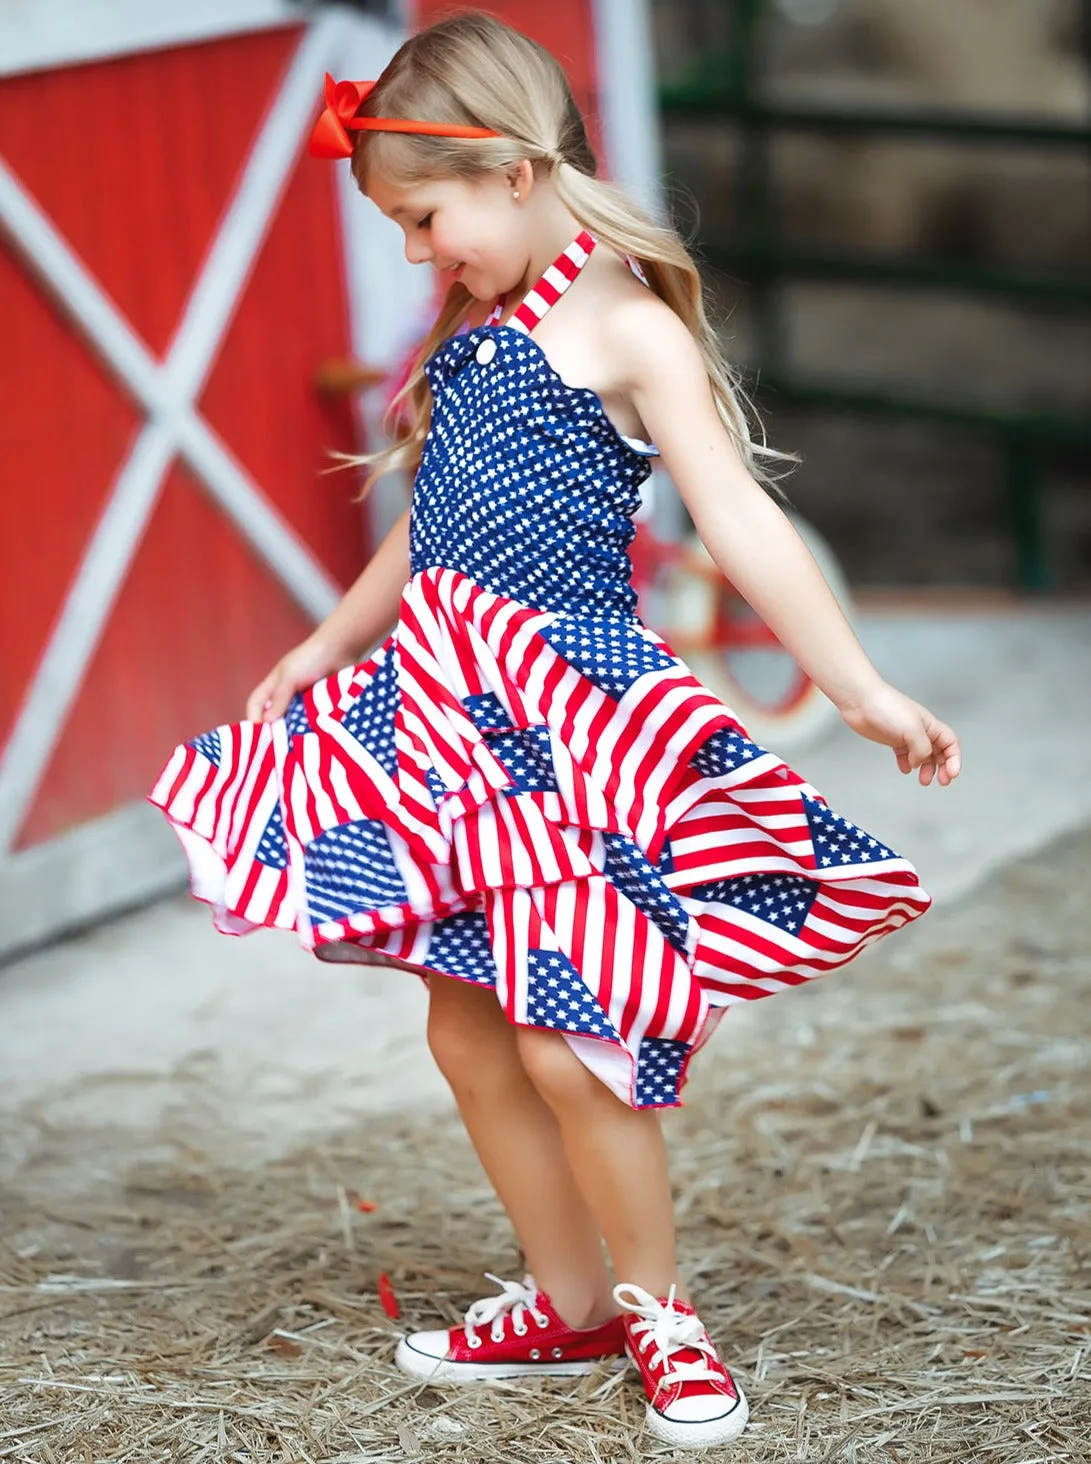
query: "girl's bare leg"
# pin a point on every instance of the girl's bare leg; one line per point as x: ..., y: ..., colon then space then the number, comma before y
x: 618, y: 1157
x: 519, y: 1143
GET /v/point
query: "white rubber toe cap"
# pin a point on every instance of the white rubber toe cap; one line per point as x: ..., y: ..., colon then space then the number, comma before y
x: 421, y: 1353
x: 700, y: 1422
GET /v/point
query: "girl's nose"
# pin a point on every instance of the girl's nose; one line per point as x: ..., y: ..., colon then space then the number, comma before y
x: 417, y: 251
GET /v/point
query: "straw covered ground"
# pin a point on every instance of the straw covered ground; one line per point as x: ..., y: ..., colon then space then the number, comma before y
x: 883, y: 1186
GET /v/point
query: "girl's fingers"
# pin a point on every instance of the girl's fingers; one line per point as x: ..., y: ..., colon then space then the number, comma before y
x: 931, y: 750
x: 261, y: 702
x: 255, y: 702
x: 943, y: 758
x: 923, y: 745
x: 920, y: 747
x: 276, y: 701
x: 948, y: 752
x: 944, y: 753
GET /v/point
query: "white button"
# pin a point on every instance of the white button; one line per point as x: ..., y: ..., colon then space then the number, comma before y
x: 486, y: 351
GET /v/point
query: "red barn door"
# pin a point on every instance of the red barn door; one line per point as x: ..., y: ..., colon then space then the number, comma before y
x: 173, y: 268
x: 172, y: 272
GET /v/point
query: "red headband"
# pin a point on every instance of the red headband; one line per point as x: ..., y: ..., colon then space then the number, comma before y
x: 330, y: 138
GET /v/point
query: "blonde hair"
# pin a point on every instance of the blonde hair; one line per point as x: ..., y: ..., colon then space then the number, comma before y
x: 474, y: 70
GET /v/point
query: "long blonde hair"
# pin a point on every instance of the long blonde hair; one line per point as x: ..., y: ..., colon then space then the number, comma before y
x: 474, y: 70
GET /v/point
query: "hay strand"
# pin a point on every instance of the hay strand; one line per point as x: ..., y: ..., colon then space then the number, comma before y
x: 883, y: 1187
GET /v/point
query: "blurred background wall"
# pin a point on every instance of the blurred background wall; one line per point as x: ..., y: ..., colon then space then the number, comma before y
x: 896, y: 203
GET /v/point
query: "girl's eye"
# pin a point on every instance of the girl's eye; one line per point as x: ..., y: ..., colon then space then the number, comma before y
x: 423, y: 223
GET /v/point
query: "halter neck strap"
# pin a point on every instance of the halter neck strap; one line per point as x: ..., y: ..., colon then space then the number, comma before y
x: 549, y: 288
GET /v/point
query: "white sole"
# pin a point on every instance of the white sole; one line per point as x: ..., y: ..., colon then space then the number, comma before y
x: 429, y: 1369
x: 703, y: 1433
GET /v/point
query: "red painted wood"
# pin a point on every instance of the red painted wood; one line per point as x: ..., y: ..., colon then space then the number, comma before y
x: 260, y: 397
x: 135, y: 158
x: 64, y: 428
x: 162, y: 138
x: 199, y: 622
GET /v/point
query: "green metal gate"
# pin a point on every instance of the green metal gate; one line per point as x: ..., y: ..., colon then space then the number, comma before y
x: 722, y: 88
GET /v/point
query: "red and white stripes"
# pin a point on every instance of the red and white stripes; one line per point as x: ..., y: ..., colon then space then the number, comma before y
x: 464, y: 835
x: 549, y: 288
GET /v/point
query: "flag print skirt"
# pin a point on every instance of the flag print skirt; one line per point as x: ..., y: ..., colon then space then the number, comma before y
x: 549, y: 805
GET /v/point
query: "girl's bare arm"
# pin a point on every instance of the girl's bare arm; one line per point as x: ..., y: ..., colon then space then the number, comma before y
x: 755, y: 545
x: 366, y: 612
x: 369, y: 608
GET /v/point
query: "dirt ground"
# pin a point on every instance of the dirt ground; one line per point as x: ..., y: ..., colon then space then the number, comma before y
x: 883, y: 1204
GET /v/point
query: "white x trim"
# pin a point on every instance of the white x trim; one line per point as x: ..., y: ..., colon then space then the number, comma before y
x: 168, y: 391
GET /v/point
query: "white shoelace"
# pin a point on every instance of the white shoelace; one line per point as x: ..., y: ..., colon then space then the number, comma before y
x: 516, y: 1300
x: 665, y: 1331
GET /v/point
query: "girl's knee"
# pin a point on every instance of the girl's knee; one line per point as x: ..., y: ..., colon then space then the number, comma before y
x: 467, y: 1031
x: 554, y: 1069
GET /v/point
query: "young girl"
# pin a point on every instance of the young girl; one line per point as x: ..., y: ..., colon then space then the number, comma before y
x: 523, y: 794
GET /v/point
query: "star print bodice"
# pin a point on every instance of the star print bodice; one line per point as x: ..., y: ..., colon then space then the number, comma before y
x: 524, y: 483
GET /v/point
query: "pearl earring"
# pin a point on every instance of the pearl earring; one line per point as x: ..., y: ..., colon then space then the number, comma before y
x: 515, y: 193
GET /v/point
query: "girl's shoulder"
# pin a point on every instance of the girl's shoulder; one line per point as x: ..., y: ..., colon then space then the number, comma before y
x: 614, y: 278
x: 621, y: 298
x: 629, y: 316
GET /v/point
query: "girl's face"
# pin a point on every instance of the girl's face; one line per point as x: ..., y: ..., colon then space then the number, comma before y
x: 468, y: 229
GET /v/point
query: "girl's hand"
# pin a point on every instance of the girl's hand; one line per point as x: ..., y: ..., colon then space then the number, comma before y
x: 300, y: 668
x: 918, y: 739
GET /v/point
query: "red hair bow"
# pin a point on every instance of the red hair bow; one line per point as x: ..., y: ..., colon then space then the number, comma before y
x: 330, y: 137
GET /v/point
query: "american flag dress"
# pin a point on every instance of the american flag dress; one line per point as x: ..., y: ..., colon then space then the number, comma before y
x: 523, y: 786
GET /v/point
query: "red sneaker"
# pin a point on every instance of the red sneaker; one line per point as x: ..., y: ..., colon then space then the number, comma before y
x: 693, y: 1401
x: 526, y: 1338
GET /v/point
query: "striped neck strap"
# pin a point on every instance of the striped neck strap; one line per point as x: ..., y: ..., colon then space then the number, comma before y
x: 549, y: 289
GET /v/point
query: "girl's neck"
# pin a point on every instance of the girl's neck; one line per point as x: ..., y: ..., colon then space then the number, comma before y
x: 551, y: 228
